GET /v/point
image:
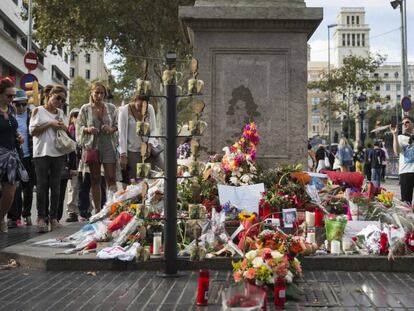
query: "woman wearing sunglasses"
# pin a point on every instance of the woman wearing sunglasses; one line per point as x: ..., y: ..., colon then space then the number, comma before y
x: 48, y: 161
x: 11, y: 169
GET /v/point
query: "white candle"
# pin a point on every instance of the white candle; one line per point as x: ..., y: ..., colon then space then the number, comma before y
x: 156, y: 243
x: 335, y: 247
x: 310, y: 237
x: 346, y: 245
x: 310, y: 219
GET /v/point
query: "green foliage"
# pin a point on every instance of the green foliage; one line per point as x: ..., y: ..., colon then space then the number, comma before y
x: 132, y: 29
x: 79, y: 92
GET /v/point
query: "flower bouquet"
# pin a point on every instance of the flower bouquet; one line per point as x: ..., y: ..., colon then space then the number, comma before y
x: 335, y: 227
x: 239, y: 162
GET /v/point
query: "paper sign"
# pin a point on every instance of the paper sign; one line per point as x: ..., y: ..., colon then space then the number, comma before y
x: 246, y: 198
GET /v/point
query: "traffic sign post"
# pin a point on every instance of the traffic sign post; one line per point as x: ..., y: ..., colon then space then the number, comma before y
x: 31, y: 61
x: 27, y: 78
x: 406, y: 103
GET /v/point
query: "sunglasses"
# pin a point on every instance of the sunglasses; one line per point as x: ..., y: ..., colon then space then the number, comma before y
x: 406, y: 122
x: 20, y: 104
x: 10, y: 96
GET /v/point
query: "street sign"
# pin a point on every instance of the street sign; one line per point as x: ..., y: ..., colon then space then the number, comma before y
x: 30, y: 60
x: 406, y: 103
x: 26, y: 78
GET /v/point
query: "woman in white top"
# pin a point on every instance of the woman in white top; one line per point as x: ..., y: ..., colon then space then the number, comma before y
x: 48, y: 161
x: 129, y: 140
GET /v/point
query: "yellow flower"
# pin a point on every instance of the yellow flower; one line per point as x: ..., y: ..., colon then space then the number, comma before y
x: 247, y: 216
x: 133, y: 206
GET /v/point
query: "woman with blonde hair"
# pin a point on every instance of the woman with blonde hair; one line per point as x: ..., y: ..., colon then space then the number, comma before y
x: 48, y: 160
x: 96, y: 129
x: 344, y: 155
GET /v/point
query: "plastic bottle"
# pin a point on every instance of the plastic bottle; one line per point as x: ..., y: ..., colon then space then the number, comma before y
x: 202, y: 290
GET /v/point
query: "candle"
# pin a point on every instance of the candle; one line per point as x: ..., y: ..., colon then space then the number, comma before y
x: 346, y: 245
x: 318, y: 218
x: 335, y: 247
x: 310, y: 219
x: 157, y: 243
x: 310, y: 237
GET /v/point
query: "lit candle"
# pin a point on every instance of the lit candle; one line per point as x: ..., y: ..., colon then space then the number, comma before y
x: 335, y: 247
x: 157, y: 243
x: 310, y: 237
x: 346, y: 245
x: 310, y: 219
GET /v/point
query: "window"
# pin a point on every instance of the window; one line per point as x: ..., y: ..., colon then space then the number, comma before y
x: 16, y: 2
x: 363, y: 39
x: 315, y: 101
x: 66, y: 58
x: 358, y: 39
x: 72, y: 56
x: 88, y: 74
x: 387, y: 87
x: 386, y: 75
x: 378, y: 88
x: 316, y: 119
x: 398, y: 87
x: 409, y: 87
x: 388, y: 97
x: 376, y: 75
x: 353, y: 39
x: 72, y: 72
x: 357, y: 20
x: 398, y: 98
x: 10, y: 30
x: 88, y: 58
x: 313, y: 128
x: 347, y: 20
x: 396, y: 74
x: 353, y: 20
x: 23, y: 42
x: 60, y: 51
x: 343, y: 39
x: 378, y: 107
x: 348, y: 41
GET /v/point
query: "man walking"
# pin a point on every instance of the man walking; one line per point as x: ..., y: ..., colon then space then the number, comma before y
x: 403, y: 146
x: 376, y: 158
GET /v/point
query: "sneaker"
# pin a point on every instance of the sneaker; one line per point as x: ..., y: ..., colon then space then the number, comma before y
x: 19, y: 222
x: 11, y: 224
x: 41, y: 226
x: 54, y: 224
x: 28, y: 220
x: 72, y: 217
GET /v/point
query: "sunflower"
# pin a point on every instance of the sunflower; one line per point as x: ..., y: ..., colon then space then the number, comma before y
x: 247, y: 216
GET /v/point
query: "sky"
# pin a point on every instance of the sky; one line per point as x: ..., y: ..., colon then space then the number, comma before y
x: 383, y: 20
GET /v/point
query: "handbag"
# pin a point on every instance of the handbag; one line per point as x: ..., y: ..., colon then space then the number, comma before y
x: 90, y: 156
x: 64, y: 143
x: 327, y: 162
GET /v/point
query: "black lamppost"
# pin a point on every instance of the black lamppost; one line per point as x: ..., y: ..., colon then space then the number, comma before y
x: 362, y: 99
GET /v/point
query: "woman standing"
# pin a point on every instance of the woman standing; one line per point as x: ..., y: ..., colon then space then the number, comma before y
x: 11, y: 169
x: 48, y: 161
x: 345, y: 155
x: 96, y: 129
x: 129, y: 140
x: 359, y: 158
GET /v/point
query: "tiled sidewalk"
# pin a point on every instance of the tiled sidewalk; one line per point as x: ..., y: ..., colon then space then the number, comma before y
x: 36, y: 290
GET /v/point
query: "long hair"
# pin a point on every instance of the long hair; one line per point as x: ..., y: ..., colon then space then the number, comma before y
x: 96, y: 85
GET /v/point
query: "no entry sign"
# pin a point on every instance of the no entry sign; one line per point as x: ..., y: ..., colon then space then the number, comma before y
x: 406, y: 103
x: 30, y: 60
x: 26, y: 78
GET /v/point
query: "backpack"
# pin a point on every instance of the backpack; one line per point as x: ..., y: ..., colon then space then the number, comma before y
x: 346, y: 155
x: 377, y: 158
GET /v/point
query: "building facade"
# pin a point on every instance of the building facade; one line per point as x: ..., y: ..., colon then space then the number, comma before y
x: 89, y: 65
x: 53, y: 67
x: 352, y: 37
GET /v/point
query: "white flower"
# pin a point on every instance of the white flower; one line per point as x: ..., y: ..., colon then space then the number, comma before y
x: 289, y: 277
x: 226, y: 151
x: 251, y: 255
x: 276, y: 255
x: 257, y: 262
x: 234, y: 180
x: 245, y: 178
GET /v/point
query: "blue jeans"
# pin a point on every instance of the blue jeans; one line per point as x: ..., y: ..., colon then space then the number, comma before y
x: 376, y: 176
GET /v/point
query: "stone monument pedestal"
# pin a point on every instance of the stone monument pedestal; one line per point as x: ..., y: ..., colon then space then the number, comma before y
x: 253, y: 58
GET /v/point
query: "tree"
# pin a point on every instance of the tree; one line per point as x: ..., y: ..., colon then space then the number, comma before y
x: 79, y: 92
x: 347, y: 82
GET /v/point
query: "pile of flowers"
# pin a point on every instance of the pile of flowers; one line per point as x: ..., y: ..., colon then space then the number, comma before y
x: 239, y: 161
x: 263, y: 266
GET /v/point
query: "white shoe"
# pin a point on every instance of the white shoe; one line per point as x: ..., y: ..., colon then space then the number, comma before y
x: 3, y: 226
